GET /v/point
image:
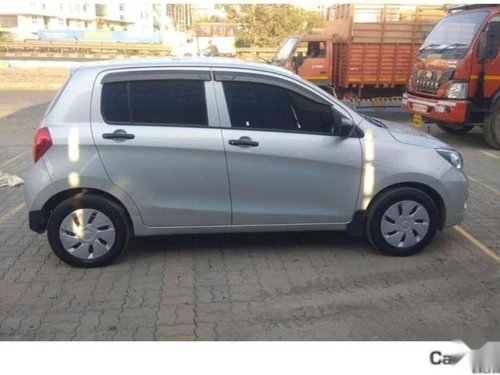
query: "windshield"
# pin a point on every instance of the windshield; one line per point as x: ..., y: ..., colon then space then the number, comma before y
x: 451, y: 37
x: 284, y: 51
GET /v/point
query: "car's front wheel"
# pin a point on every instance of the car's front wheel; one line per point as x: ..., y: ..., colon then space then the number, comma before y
x: 402, y: 221
x: 88, y: 231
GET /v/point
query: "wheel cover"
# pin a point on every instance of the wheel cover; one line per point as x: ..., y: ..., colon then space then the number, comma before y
x: 404, y: 224
x: 87, y: 233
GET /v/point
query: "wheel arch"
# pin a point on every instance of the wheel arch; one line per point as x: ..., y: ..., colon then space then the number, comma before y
x: 55, y: 200
x: 495, y: 100
x: 433, y: 194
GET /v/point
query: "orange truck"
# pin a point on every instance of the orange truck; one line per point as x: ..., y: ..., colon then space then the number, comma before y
x: 365, y: 51
x: 455, y: 80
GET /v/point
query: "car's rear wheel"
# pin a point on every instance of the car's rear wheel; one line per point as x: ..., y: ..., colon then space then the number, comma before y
x: 88, y: 231
x: 402, y: 221
x: 454, y: 128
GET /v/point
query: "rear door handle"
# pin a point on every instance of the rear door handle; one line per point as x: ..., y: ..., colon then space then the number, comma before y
x: 243, y: 141
x: 118, y: 134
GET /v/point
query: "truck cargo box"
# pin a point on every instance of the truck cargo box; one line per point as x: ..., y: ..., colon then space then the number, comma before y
x: 376, y: 44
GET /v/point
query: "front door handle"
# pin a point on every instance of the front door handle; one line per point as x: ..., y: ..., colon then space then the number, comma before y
x: 118, y: 134
x: 243, y: 141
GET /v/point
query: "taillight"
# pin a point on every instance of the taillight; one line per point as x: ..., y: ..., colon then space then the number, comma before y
x: 42, y: 143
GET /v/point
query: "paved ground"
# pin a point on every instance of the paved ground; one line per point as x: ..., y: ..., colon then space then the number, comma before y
x: 18, y: 78
x: 294, y: 286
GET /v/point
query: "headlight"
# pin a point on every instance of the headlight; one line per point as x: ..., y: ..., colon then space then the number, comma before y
x: 453, y: 157
x: 457, y: 90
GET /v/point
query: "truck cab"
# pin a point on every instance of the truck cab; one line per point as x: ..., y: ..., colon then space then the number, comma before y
x: 309, y: 56
x: 455, y: 80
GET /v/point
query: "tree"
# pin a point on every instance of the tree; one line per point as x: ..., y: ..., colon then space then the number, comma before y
x: 266, y: 25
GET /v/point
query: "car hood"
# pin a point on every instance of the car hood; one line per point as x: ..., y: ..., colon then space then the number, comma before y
x: 408, y: 134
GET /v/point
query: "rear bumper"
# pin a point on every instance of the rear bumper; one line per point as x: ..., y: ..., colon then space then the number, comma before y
x: 449, y: 111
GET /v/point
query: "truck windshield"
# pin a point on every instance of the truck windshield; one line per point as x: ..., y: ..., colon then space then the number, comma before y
x: 285, y: 49
x: 451, y: 37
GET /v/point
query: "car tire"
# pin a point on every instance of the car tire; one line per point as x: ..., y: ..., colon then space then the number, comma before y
x: 454, y: 129
x: 88, y: 231
x: 402, y: 221
x: 491, y: 127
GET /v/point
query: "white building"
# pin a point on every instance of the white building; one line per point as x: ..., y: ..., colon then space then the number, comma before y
x: 131, y: 16
x: 24, y: 19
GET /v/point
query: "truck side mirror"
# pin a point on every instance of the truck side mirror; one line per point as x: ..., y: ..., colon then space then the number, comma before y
x: 298, y: 61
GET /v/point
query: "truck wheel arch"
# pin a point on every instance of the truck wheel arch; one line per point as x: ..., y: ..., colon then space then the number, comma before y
x: 495, y: 101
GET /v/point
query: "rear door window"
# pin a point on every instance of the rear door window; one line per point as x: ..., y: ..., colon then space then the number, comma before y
x: 155, y: 102
x: 114, y: 103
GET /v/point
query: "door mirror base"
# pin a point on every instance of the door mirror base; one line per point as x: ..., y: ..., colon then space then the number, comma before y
x: 346, y: 128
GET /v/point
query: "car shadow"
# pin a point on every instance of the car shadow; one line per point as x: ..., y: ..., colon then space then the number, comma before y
x: 254, y: 243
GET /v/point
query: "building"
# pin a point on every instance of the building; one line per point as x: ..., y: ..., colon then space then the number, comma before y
x: 180, y: 16
x: 127, y: 16
x: 24, y: 19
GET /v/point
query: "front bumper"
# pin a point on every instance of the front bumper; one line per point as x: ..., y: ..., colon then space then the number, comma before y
x: 455, y: 196
x: 449, y: 111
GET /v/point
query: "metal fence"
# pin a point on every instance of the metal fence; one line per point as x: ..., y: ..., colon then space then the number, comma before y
x: 95, y: 49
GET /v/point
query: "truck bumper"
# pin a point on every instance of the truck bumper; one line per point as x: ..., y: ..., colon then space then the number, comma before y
x: 449, y: 111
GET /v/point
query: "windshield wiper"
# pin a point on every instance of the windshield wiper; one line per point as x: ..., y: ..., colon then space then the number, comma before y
x: 260, y: 57
x: 452, y: 45
x: 429, y: 46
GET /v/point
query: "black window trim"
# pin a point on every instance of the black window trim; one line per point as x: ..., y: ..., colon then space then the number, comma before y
x: 158, y: 124
x: 357, y: 133
x: 269, y: 80
x: 154, y: 75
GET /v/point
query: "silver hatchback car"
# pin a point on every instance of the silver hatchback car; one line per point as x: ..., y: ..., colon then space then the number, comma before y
x: 154, y: 147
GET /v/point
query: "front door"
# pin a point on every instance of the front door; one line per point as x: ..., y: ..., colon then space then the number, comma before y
x: 286, y: 164
x: 154, y: 139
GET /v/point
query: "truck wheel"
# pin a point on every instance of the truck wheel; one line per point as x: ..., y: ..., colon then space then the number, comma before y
x: 402, y: 221
x: 491, y: 127
x: 454, y: 129
x: 88, y: 231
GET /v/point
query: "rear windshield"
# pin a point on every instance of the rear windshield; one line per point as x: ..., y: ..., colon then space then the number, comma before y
x: 159, y: 102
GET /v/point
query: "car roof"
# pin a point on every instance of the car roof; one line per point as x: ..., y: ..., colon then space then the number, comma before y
x: 208, y: 62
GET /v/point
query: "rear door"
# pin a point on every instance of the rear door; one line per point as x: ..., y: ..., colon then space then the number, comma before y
x: 156, y: 135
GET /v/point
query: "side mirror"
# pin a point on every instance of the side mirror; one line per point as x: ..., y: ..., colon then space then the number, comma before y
x: 346, y: 127
x: 298, y: 61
